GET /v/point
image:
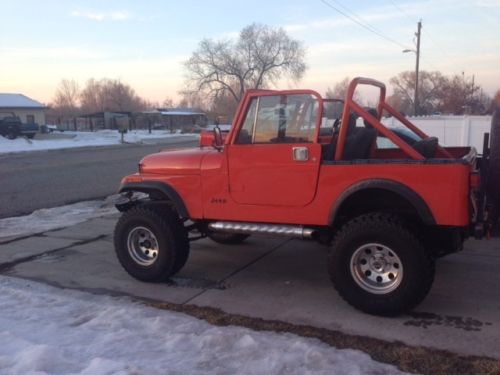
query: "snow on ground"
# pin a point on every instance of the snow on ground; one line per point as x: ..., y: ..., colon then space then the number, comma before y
x: 70, y: 139
x: 57, y: 217
x: 45, y: 330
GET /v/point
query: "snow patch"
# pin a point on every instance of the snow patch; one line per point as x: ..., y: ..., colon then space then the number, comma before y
x: 70, y: 139
x: 46, y: 330
x: 57, y: 217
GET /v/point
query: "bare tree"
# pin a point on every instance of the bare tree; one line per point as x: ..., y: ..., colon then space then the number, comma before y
x: 456, y: 94
x: 431, y: 88
x: 339, y: 90
x: 462, y: 95
x: 151, y: 104
x: 65, y: 105
x: 91, y: 97
x: 223, y: 108
x: 193, y: 99
x: 110, y: 95
x: 261, y: 56
x: 67, y: 94
x: 495, y: 102
x: 168, y: 102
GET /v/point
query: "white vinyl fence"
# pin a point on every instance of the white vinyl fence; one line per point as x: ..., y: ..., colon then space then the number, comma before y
x: 451, y: 130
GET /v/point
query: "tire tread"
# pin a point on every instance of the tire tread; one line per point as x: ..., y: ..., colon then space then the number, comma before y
x: 393, y: 303
x: 173, y: 232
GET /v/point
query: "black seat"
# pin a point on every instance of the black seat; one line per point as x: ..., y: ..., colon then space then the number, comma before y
x: 358, y: 145
x: 427, y: 147
x: 328, y: 149
x: 373, y: 112
x: 351, y: 124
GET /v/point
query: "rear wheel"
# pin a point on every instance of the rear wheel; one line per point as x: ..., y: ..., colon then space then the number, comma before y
x: 379, y: 266
x: 151, y: 243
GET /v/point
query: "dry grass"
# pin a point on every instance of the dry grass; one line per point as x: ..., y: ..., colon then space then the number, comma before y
x: 407, y: 358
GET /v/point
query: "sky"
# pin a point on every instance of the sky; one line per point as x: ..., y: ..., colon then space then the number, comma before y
x: 144, y: 43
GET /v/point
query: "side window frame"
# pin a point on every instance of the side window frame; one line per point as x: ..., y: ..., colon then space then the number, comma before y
x: 251, y: 132
x: 283, y: 123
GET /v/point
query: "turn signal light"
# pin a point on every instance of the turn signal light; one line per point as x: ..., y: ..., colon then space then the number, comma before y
x: 133, y: 178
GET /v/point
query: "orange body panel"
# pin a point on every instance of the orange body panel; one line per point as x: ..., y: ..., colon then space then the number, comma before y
x: 272, y: 177
x: 267, y: 183
x: 445, y: 196
x: 207, y: 195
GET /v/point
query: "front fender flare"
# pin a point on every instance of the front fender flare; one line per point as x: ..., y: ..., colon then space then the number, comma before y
x: 167, y: 191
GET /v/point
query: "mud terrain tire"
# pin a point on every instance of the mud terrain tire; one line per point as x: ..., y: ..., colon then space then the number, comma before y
x: 379, y: 266
x: 151, y: 243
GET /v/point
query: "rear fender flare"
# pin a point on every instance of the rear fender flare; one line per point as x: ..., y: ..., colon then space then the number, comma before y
x: 402, y: 190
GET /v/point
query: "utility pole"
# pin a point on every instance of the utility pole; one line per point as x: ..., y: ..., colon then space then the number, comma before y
x: 417, y: 34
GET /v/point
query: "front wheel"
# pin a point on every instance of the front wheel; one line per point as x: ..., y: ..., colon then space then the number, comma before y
x: 379, y: 266
x: 12, y: 133
x: 151, y: 243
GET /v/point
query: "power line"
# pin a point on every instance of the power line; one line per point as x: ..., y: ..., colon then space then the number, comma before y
x: 438, y: 45
x: 401, y: 11
x: 362, y: 23
x: 360, y: 19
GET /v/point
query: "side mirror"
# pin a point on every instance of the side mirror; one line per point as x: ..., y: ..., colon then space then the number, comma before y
x: 218, y: 141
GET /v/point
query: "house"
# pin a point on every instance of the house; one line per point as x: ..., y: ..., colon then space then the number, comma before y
x: 103, y: 120
x: 28, y: 110
x: 173, y: 119
x: 182, y: 118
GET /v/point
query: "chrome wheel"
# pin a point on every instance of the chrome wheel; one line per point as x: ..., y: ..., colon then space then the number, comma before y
x: 376, y: 268
x: 142, y: 246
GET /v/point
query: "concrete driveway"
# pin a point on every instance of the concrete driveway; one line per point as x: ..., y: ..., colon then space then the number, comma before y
x: 277, y: 279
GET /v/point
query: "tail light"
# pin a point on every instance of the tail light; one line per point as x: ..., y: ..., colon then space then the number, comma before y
x: 475, y: 180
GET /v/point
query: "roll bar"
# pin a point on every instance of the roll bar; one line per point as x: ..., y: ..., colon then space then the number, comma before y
x: 351, y: 105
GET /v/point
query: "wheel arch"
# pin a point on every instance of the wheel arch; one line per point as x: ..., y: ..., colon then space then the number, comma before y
x: 401, y: 197
x: 158, y: 191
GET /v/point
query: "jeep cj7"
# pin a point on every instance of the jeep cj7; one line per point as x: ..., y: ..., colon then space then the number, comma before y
x: 388, y: 201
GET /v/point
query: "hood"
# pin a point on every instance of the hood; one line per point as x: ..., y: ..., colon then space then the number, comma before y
x: 174, y: 162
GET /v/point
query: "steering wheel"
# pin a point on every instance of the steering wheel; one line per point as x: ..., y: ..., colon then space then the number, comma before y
x: 336, y: 126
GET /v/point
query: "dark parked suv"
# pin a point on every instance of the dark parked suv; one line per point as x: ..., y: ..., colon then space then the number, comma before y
x: 10, y: 125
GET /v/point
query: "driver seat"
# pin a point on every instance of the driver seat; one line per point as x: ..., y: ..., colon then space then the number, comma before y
x: 357, y: 144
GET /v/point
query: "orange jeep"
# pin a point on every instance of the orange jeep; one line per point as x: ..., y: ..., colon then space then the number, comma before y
x: 388, y: 202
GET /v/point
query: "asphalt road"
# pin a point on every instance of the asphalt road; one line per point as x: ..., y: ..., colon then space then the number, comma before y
x: 34, y: 180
